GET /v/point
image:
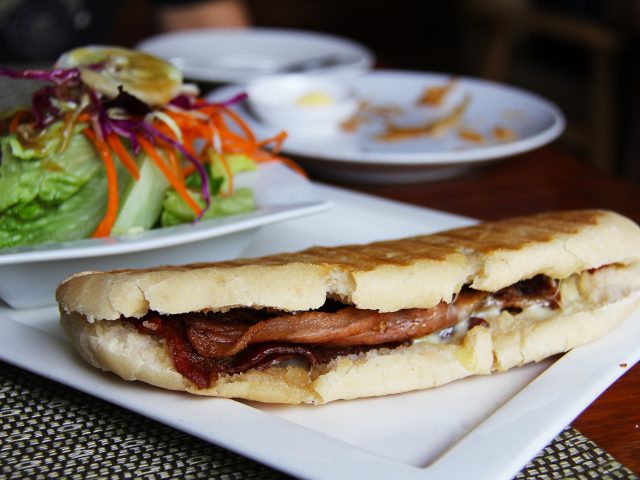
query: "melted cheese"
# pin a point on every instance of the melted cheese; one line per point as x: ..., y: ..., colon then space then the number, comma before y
x: 591, y: 287
x: 492, y: 313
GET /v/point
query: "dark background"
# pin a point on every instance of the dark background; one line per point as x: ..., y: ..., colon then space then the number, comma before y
x: 581, y: 54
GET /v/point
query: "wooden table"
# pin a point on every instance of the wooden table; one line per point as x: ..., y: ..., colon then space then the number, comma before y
x: 547, y: 179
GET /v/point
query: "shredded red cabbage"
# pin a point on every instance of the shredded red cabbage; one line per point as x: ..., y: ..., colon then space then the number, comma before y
x: 240, y: 97
x: 57, y: 75
x: 206, y: 194
x: 43, y: 110
x: 127, y: 129
x: 185, y: 102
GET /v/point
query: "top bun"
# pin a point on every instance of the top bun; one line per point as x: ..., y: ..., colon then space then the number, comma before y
x: 416, y: 272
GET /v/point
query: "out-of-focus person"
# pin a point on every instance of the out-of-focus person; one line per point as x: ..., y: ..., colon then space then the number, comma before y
x: 179, y: 15
x: 41, y: 30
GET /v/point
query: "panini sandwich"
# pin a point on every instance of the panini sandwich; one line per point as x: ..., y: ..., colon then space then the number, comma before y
x: 362, y: 320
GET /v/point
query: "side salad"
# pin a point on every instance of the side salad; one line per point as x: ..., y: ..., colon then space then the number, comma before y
x: 116, y: 143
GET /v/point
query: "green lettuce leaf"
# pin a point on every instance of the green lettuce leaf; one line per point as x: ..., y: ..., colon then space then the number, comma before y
x: 237, y: 163
x: 50, y: 180
x: 46, y: 143
x: 56, y: 198
x: 176, y: 211
x: 76, y: 218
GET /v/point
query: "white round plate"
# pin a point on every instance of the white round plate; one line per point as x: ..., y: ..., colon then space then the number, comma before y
x: 29, y: 275
x: 239, y: 55
x: 358, y: 156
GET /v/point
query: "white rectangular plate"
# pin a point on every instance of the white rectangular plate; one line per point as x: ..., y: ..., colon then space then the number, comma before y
x: 482, y: 427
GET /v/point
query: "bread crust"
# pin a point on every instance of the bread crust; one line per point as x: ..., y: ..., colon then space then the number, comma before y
x: 595, y: 303
x: 430, y: 268
x: 119, y: 348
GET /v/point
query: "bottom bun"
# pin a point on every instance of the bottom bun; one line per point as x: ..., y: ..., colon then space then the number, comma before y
x: 594, y: 304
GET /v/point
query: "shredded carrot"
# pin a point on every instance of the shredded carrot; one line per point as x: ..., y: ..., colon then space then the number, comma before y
x: 231, y: 142
x: 184, y: 121
x: 189, y: 148
x: 15, y: 121
x: 290, y: 163
x: 189, y: 136
x: 129, y: 163
x: 104, y: 227
x: 84, y: 117
x: 208, y: 131
x: 276, y: 139
x: 241, y: 123
x: 175, y: 181
x: 188, y: 170
x: 168, y: 148
x: 173, y: 159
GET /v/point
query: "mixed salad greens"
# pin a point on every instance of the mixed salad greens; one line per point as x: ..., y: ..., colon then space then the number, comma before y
x: 115, y: 143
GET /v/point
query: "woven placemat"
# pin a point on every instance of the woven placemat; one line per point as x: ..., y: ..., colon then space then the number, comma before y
x: 51, y: 431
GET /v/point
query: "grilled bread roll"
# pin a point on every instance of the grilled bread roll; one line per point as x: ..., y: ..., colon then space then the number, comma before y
x: 362, y: 320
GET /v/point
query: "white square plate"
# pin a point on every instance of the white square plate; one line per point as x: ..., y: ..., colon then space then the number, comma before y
x: 482, y: 427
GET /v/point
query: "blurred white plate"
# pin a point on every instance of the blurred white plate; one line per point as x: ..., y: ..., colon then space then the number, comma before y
x: 358, y: 156
x: 29, y: 275
x: 238, y: 55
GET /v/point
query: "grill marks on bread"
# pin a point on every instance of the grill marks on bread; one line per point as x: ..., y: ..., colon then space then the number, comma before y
x: 514, y: 234
x: 511, y: 234
x: 488, y: 256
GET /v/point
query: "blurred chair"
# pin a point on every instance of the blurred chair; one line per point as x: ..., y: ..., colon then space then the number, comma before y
x: 509, y: 21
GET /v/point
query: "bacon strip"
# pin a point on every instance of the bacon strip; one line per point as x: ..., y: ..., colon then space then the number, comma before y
x: 348, y: 326
x: 203, y: 346
x: 265, y: 355
x: 345, y: 327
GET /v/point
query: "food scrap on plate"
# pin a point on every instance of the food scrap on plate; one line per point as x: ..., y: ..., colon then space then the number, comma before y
x: 441, y: 119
